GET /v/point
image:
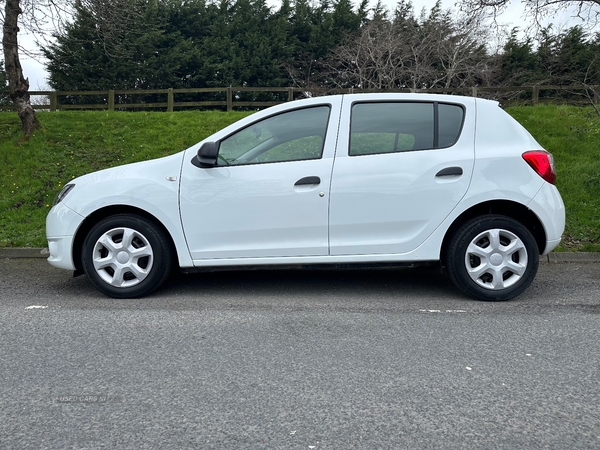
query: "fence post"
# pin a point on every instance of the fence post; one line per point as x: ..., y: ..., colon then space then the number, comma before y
x: 53, y: 101
x: 229, y: 99
x: 474, y: 91
x: 170, y: 100
x: 290, y: 94
x: 535, y: 95
x: 111, y: 100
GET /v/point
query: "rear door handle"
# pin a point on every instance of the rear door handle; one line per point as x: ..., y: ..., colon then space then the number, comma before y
x: 308, y: 180
x: 450, y: 172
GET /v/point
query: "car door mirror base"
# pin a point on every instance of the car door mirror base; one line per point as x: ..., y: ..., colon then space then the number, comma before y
x: 207, y: 155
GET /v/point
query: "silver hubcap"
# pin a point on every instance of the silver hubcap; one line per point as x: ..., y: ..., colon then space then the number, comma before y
x: 122, y: 257
x: 496, y: 259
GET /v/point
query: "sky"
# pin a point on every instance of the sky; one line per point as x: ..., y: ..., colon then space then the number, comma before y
x: 513, y: 16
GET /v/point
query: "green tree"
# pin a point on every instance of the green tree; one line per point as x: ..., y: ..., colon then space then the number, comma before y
x: 77, y: 56
x: 576, y: 57
x: 155, y: 55
x: 519, y: 64
x: 317, y: 30
x: 251, y: 45
x: 177, y: 44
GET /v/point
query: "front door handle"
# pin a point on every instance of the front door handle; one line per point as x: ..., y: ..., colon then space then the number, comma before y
x: 450, y: 172
x: 308, y: 180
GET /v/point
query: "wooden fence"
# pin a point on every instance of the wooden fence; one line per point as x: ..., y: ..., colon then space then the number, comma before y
x: 233, y: 96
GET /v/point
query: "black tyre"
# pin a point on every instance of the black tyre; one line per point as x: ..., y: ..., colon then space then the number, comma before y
x: 127, y: 256
x: 492, y: 258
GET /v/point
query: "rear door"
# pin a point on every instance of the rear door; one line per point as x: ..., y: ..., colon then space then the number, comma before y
x: 401, y: 167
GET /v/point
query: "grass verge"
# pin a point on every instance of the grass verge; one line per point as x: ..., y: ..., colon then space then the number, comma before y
x: 572, y: 135
x: 73, y: 143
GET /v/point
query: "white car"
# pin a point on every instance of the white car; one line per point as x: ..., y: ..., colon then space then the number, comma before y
x: 359, y: 178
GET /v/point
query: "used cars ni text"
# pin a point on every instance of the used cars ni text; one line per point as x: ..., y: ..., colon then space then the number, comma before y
x: 357, y: 178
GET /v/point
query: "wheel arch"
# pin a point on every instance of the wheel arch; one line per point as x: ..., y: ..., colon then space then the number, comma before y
x: 514, y: 210
x: 103, y: 213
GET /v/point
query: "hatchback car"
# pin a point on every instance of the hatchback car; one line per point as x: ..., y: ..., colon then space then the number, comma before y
x: 359, y: 178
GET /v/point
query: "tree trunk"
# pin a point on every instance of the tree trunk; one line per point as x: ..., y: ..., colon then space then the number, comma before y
x: 18, y: 85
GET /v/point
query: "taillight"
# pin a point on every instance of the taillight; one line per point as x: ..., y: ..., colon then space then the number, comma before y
x: 543, y: 164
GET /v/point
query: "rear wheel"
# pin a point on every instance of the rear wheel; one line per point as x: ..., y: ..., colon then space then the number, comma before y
x: 127, y: 256
x: 492, y: 258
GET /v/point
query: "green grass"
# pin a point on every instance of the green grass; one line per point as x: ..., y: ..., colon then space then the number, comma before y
x: 73, y: 143
x: 572, y: 135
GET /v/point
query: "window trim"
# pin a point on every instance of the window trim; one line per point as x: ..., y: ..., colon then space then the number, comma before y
x: 436, y: 130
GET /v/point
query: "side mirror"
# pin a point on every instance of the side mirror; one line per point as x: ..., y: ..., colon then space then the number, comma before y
x: 207, y: 155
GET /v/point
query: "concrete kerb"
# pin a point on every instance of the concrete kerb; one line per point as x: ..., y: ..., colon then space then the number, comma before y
x: 572, y: 257
x: 16, y: 252
x: 552, y: 258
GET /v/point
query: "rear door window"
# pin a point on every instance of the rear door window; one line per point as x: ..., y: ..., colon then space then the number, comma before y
x: 390, y: 127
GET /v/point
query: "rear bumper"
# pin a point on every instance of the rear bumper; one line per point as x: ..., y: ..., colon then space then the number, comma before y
x: 549, y: 207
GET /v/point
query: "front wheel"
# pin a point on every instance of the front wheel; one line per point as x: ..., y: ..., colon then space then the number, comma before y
x: 492, y: 258
x: 126, y: 256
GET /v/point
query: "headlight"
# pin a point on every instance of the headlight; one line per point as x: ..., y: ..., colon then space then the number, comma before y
x: 63, y: 193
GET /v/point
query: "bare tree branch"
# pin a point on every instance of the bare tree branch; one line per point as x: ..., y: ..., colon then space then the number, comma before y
x: 114, y: 21
x: 435, y: 51
x: 537, y: 10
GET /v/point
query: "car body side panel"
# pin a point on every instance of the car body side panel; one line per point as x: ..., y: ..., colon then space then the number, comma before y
x: 152, y: 186
x: 257, y: 210
x: 429, y: 250
x: 390, y: 203
x: 502, y: 173
x: 500, y: 169
x: 254, y: 211
x: 498, y: 173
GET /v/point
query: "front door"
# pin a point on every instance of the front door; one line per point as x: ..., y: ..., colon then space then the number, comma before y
x: 268, y: 195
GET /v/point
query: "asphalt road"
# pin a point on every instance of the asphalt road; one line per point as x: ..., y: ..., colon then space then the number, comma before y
x: 385, y: 358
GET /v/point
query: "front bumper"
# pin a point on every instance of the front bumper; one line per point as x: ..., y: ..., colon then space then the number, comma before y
x: 61, y: 225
